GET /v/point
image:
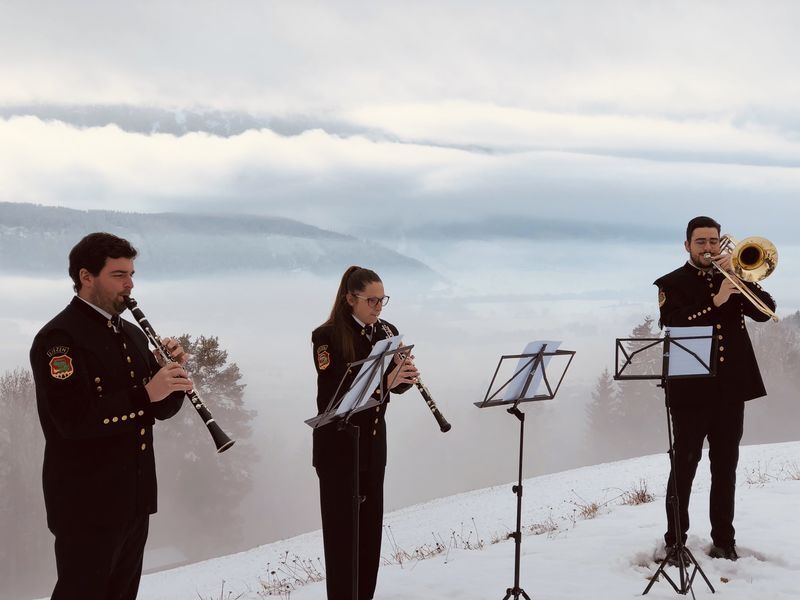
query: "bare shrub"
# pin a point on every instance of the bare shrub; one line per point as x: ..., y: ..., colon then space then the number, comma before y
x: 464, y: 539
x: 759, y: 475
x: 399, y: 555
x: 583, y: 509
x: 291, y: 573
x: 791, y: 471
x: 222, y: 594
x: 547, y: 527
x: 638, y: 494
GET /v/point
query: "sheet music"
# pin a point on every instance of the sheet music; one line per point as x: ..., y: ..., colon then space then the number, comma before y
x: 514, y: 389
x: 680, y: 361
x: 368, y: 377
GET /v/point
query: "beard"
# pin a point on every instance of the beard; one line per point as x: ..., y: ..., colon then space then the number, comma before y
x: 119, y: 305
x: 700, y: 260
x: 108, y: 301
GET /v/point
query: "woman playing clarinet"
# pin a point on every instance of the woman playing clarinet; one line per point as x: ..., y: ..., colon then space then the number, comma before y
x: 348, y: 335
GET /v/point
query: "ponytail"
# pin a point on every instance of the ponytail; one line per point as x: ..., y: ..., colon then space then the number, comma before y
x: 354, y: 281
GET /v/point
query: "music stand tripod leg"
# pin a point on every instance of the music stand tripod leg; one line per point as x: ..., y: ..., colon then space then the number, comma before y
x: 697, y: 569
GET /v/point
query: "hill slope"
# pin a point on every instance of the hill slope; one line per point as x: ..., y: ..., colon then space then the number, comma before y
x: 607, y: 556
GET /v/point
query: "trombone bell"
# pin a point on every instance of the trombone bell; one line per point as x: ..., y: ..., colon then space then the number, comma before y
x: 754, y: 258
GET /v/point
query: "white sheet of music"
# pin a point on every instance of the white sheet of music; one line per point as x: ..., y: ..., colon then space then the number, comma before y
x: 368, y: 379
x: 523, y: 369
x: 683, y: 363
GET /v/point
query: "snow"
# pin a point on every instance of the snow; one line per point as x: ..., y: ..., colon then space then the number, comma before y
x: 608, y: 556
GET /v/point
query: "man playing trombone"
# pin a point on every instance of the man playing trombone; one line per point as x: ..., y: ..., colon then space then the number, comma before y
x: 706, y: 291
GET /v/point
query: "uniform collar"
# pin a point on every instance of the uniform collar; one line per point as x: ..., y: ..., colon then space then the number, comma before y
x: 364, y: 329
x: 91, y: 311
x: 106, y: 315
x: 690, y: 266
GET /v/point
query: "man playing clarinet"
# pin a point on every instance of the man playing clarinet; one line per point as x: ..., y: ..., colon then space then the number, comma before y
x: 98, y: 392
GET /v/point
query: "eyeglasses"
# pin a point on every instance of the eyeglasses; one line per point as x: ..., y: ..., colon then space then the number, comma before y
x: 373, y: 301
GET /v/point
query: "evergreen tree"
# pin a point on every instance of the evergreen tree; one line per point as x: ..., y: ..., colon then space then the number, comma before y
x: 25, y: 554
x: 603, y: 420
x: 777, y: 347
x: 641, y: 403
x: 199, y: 489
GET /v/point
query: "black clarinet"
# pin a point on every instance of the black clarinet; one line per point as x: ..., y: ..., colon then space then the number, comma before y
x: 221, y: 439
x: 443, y: 424
x: 426, y: 395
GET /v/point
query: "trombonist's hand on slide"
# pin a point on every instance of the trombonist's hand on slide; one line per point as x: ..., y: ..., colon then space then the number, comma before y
x: 404, y: 372
x: 723, y: 262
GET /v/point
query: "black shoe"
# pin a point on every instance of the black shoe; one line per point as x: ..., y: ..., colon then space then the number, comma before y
x: 726, y: 552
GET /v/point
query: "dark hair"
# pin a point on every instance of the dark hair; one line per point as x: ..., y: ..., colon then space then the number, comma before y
x: 354, y: 281
x: 700, y: 222
x: 93, y: 250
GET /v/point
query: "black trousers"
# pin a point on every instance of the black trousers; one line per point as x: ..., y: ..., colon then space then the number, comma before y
x: 336, y: 504
x: 100, y: 563
x: 723, y: 423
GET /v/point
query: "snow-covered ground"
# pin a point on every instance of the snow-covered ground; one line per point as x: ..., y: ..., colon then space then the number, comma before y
x: 608, y: 556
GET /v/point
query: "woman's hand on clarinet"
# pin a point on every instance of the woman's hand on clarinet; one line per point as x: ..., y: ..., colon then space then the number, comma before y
x: 404, y: 373
x: 168, y: 379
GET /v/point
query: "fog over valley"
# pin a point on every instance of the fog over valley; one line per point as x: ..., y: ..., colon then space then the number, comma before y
x: 462, y: 302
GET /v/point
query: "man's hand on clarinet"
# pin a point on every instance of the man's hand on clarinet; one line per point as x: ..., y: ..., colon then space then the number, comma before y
x: 170, y: 378
x: 175, y: 350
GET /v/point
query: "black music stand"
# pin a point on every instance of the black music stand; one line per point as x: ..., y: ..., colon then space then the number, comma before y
x: 532, y: 368
x: 678, y: 553
x: 371, y: 374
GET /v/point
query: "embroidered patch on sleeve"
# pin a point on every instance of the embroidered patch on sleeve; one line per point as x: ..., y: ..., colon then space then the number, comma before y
x: 662, y: 297
x: 61, y: 367
x: 323, y: 357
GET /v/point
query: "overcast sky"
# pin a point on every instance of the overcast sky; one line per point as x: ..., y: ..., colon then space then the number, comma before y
x: 632, y: 111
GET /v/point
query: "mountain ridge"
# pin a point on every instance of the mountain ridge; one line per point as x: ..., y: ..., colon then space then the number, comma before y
x: 37, y: 239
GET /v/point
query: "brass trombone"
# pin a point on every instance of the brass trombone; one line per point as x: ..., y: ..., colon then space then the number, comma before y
x: 752, y: 259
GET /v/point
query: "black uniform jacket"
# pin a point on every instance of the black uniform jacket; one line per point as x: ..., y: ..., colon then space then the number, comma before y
x: 96, y: 416
x: 333, y: 448
x: 685, y: 298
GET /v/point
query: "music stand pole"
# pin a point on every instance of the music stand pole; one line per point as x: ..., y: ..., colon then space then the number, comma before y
x: 354, y: 432
x: 517, y: 591
x: 679, y: 552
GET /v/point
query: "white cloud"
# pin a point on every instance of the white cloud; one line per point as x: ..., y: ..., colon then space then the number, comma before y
x: 509, y: 128
x: 620, y: 56
x: 54, y: 163
x: 349, y: 183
